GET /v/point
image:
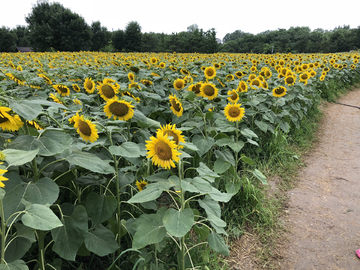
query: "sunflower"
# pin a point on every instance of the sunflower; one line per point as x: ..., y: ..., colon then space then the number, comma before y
x: 15, y: 79
x: 185, y: 71
x: 255, y: 84
x: 89, y: 85
x: 208, y: 90
x: 176, y: 106
x: 171, y: 131
x: 127, y: 93
x: 210, y: 72
x: 9, y: 122
x: 233, y: 96
x: 162, y: 65
x: 162, y: 151
x: 146, y: 82
x: 179, y: 84
x: 239, y: 74
x: 153, y: 60
x: 195, y: 88
x: 2, y: 178
x: 76, y: 87
x: 242, y: 87
x: 47, y: 80
x: 62, y: 89
x: 107, y: 91
x: 77, y: 102
x: 290, y: 80
x: 140, y: 185
x: 56, y: 98
x: 279, y: 91
x: 34, y: 125
x: 233, y: 112
x: 19, y: 68
x: 304, y: 77
x: 322, y: 77
x: 131, y: 77
x: 119, y: 109
x: 173, y: 68
x: 134, y: 85
x: 230, y: 77
x: 85, y: 128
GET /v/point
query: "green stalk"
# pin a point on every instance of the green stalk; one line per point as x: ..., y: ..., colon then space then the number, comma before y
x: 118, y: 220
x: 33, y: 162
x: 40, y: 236
x: 181, y: 263
x: 3, y: 233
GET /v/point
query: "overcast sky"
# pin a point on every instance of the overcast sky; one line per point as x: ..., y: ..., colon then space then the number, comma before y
x: 166, y: 16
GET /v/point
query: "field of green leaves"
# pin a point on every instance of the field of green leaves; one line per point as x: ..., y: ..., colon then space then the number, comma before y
x: 126, y: 160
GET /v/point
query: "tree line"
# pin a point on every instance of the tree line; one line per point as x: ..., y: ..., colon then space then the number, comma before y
x: 52, y: 27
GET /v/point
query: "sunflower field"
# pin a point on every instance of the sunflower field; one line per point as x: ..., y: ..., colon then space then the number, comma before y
x: 126, y: 160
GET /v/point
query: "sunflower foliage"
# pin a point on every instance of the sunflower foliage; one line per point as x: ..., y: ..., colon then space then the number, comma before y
x: 123, y: 160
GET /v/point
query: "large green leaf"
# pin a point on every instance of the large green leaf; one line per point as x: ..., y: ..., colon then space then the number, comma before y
x: 44, y: 191
x: 151, y: 192
x: 262, y: 125
x: 127, y: 149
x: 178, y: 223
x: 236, y: 146
x: 100, y: 207
x: 101, y: 241
x: 217, y: 243
x: 260, y: 176
x: 90, y: 161
x: 203, y: 144
x: 54, y: 142
x: 17, y: 248
x: 40, y: 217
x: 19, y: 157
x: 225, y: 155
x: 221, y: 166
x: 196, y: 184
x: 15, y: 265
x: 248, y: 133
x: 69, y: 238
x: 149, y: 230
x: 26, y: 108
x: 206, y: 173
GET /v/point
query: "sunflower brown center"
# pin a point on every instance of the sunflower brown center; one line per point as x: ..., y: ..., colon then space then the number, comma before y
x: 209, y: 90
x: 62, y: 89
x: 108, y: 91
x: 279, y: 90
x: 176, y: 105
x: 209, y: 72
x: 234, y: 112
x: 179, y: 84
x: 234, y: 96
x: 84, y: 128
x: 163, y: 151
x: 89, y: 85
x: 119, y: 109
x: 196, y: 88
x: 170, y: 133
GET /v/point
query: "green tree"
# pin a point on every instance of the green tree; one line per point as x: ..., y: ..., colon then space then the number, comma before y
x: 7, y: 40
x: 22, y: 36
x: 133, y: 37
x: 52, y: 25
x: 100, y: 36
x: 118, y: 40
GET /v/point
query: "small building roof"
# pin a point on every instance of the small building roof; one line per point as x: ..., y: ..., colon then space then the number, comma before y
x: 24, y: 49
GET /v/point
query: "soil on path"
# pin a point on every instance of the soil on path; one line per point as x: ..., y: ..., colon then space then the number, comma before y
x: 323, y: 217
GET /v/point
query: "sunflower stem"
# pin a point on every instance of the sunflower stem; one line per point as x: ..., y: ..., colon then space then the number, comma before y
x: 53, y: 119
x: 3, y: 233
x: 40, y: 237
x: 118, y: 220
x: 181, y: 263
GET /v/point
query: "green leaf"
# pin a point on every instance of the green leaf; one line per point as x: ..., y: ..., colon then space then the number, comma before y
x: 217, y: 243
x: 284, y: 126
x: 90, y: 161
x: 178, y: 223
x: 26, y: 108
x: 236, y: 146
x: 206, y: 173
x: 248, y: 133
x: 196, y: 184
x: 149, y: 230
x: 221, y: 166
x: 127, y: 149
x: 247, y: 160
x: 15, y: 265
x: 101, y: 241
x: 222, y: 142
x: 203, y: 144
x: 54, y: 142
x: 18, y: 157
x: 40, y: 217
x: 151, y: 192
x: 202, y: 231
x: 220, y: 196
x: 262, y: 125
x: 260, y: 176
x: 225, y: 155
x: 100, y: 207
x: 69, y: 237
x: 2, y: 193
x: 17, y: 248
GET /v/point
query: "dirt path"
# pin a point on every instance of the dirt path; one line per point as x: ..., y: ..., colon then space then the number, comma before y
x: 324, y: 209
